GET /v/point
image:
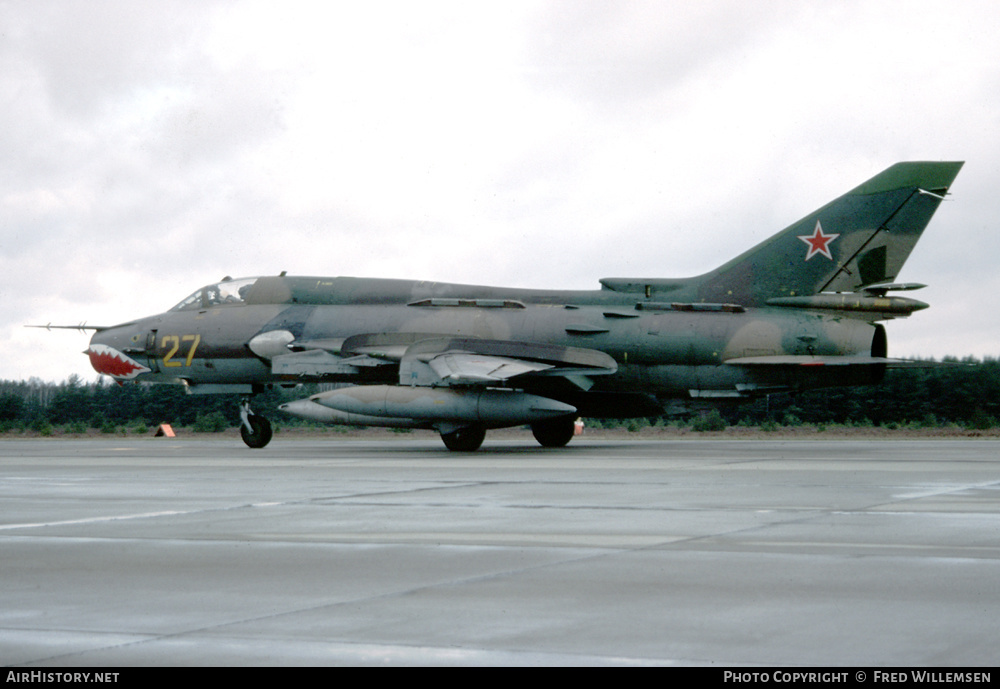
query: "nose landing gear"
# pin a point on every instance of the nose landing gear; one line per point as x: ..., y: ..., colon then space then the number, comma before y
x: 254, y: 428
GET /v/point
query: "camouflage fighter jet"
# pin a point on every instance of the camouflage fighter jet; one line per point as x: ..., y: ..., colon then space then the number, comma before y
x: 801, y: 310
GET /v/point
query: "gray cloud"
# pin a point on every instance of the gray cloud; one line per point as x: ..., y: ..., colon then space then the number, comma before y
x: 151, y: 148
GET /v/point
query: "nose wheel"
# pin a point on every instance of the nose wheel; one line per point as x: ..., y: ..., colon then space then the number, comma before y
x: 254, y: 429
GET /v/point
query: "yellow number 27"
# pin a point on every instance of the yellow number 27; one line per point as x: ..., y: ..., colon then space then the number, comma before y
x: 174, y: 342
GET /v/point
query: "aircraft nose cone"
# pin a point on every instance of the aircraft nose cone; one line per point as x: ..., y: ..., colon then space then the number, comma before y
x: 108, y: 361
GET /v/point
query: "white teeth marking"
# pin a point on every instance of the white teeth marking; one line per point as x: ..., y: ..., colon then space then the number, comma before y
x: 109, y: 361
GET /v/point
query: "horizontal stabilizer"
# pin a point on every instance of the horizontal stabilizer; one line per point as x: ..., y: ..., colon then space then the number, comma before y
x: 880, y: 307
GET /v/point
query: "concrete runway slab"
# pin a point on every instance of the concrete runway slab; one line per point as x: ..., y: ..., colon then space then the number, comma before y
x: 690, y: 552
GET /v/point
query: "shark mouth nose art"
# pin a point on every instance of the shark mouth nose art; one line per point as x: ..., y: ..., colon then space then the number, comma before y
x: 110, y: 362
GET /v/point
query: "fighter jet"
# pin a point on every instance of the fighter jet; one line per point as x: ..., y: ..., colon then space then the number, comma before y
x: 801, y: 310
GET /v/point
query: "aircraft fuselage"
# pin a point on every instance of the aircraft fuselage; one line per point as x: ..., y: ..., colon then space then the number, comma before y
x: 664, y: 349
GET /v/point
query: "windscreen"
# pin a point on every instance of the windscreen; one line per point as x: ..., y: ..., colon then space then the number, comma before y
x: 220, y: 294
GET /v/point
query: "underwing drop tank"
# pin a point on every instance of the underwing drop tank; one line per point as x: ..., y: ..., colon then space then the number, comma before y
x: 422, y: 406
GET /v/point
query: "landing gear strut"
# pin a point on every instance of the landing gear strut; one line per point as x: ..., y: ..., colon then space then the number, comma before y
x: 254, y: 428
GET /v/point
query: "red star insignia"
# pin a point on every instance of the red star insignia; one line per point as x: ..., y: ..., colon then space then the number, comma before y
x: 818, y: 242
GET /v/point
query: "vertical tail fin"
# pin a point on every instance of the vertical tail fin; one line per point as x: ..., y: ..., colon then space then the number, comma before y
x: 859, y: 239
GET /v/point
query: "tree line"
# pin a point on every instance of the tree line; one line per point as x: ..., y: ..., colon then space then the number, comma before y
x: 105, y: 405
x: 962, y: 392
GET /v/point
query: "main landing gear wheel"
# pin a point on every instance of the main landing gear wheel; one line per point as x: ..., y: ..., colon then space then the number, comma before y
x: 466, y: 439
x: 556, y: 433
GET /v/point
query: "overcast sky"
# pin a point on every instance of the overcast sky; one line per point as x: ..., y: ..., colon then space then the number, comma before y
x: 149, y: 148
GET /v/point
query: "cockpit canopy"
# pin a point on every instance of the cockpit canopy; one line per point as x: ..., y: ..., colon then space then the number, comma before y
x: 227, y: 292
x: 284, y: 289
